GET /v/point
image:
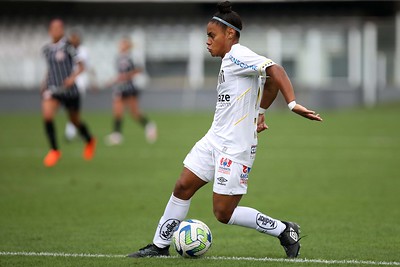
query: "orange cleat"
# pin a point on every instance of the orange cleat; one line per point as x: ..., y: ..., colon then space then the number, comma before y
x: 52, y: 158
x: 90, y: 147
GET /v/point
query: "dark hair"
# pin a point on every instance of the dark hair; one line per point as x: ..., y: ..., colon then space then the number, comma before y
x: 226, y: 13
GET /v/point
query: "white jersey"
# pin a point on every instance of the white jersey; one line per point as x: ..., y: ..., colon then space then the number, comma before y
x: 82, y: 80
x: 240, y: 85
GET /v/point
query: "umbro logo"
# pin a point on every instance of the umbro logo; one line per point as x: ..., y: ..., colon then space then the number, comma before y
x: 293, y: 234
x: 222, y: 180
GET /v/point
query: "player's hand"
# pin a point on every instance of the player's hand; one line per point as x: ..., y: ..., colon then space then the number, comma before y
x: 306, y: 113
x: 261, y: 125
x: 69, y: 82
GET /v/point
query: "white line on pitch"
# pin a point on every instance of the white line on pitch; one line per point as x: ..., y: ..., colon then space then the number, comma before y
x: 320, y: 261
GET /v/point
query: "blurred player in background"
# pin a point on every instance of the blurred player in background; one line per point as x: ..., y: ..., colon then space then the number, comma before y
x: 225, y: 155
x: 82, y: 80
x: 59, y: 88
x: 127, y: 95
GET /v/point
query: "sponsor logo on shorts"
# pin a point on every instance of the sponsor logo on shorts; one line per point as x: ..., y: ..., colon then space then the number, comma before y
x: 222, y: 180
x: 244, y: 181
x: 265, y: 223
x: 244, y: 176
x: 225, y: 166
x: 167, y: 229
x: 245, y: 172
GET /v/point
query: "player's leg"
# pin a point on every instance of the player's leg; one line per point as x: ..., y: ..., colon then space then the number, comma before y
x: 229, y: 186
x: 175, y: 212
x: 198, y: 171
x: 74, y: 117
x: 70, y: 130
x: 150, y: 127
x: 115, y: 138
x: 49, y: 109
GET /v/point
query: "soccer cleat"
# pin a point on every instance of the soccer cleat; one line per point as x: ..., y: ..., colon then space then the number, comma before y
x: 290, y: 238
x: 151, y: 132
x: 150, y: 250
x: 114, y: 139
x: 52, y: 158
x: 89, y: 149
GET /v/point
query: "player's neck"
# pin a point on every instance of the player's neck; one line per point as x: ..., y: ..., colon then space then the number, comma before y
x: 229, y: 47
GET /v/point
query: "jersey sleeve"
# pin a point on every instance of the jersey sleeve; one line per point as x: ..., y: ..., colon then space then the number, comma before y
x: 250, y: 64
x: 71, y: 51
x: 82, y: 56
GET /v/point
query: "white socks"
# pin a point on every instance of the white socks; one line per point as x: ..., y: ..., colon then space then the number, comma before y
x: 174, y: 213
x: 177, y: 209
x: 251, y: 218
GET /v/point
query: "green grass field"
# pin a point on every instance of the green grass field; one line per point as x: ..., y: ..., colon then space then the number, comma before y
x: 339, y: 179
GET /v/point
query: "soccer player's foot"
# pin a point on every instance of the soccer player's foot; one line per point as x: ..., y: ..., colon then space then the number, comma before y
x: 151, y: 132
x: 89, y: 149
x: 114, y: 139
x: 150, y: 250
x: 52, y: 158
x: 290, y: 238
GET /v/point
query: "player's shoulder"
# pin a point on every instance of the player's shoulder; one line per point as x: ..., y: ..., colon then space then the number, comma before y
x: 243, y: 51
x: 46, y: 47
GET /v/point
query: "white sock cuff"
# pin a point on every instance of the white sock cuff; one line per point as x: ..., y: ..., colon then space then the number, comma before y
x: 179, y: 202
x: 233, y: 217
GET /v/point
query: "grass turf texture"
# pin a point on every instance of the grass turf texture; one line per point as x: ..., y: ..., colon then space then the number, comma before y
x: 339, y: 180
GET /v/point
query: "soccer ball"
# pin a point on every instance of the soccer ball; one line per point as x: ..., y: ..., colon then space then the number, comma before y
x: 192, y: 238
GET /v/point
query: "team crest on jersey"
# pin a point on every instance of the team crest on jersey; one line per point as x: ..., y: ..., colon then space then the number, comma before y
x: 225, y: 166
x: 60, y: 55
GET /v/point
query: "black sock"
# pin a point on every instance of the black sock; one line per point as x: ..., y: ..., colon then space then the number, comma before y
x: 143, y: 121
x: 83, y: 130
x: 117, y: 125
x: 51, y: 134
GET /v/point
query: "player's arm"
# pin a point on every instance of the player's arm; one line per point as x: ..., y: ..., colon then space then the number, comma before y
x: 68, y: 82
x: 281, y: 80
x: 269, y: 94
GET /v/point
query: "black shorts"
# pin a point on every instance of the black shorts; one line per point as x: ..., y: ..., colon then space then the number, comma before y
x: 70, y: 100
x: 126, y: 93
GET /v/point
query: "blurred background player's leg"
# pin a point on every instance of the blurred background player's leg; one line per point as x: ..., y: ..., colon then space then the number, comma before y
x: 81, y: 81
x: 150, y: 127
x: 115, y: 138
x: 90, y: 147
x: 49, y: 108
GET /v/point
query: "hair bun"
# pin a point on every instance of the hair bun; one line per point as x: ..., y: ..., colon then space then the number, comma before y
x: 224, y: 7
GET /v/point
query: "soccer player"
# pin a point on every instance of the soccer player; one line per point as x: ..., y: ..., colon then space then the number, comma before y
x: 225, y: 155
x: 126, y: 94
x: 82, y: 80
x: 59, y: 88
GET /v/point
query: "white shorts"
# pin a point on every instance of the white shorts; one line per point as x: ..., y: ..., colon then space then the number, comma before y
x: 208, y: 163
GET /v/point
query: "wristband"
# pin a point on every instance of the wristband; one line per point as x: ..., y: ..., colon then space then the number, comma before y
x: 292, y: 104
x: 261, y: 110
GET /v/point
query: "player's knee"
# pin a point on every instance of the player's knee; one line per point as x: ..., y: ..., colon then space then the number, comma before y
x: 222, y: 216
x: 182, y: 188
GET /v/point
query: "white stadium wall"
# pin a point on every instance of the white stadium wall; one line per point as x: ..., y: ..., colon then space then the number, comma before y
x: 347, y: 52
